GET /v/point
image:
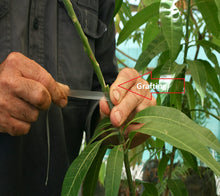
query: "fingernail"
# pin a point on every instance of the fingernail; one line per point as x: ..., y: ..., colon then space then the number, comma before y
x: 118, y: 116
x: 116, y: 95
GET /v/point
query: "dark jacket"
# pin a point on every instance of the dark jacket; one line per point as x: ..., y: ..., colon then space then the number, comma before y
x: 42, y: 30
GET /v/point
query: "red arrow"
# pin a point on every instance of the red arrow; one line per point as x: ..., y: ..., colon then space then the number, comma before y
x: 150, y: 98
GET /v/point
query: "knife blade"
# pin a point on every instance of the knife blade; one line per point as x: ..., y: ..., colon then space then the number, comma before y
x: 86, y: 94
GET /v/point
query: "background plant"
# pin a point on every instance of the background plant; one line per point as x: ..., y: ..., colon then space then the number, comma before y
x: 166, y: 29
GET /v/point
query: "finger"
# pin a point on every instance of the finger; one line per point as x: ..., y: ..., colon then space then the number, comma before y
x: 33, y: 92
x: 23, y: 111
x: 121, y: 112
x: 117, y: 93
x: 32, y: 70
x: 146, y: 103
x: 104, y: 108
x: 13, y: 126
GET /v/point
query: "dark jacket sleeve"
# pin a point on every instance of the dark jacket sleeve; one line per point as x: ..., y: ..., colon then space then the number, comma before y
x: 105, y: 55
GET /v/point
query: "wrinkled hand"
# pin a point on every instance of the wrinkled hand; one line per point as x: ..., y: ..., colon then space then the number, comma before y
x: 127, y: 104
x: 25, y: 89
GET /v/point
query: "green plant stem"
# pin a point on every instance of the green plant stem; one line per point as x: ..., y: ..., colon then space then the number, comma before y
x: 133, y: 59
x: 170, y: 169
x: 187, y: 31
x: 128, y: 172
x: 87, y: 48
x: 105, y: 88
x: 200, y: 110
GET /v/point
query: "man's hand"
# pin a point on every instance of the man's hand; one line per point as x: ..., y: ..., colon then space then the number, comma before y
x: 26, y: 88
x: 127, y: 104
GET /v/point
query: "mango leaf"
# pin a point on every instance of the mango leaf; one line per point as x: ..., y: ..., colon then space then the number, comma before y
x: 189, y: 160
x: 150, y: 190
x: 137, y: 20
x: 78, y: 169
x: 164, y: 57
x: 212, y: 57
x: 122, y: 18
x: 162, y: 167
x: 118, y: 4
x: 113, y: 171
x: 177, y: 187
x: 212, y: 77
x: 198, y: 73
x: 159, y: 143
x: 173, y: 69
x: 102, y: 173
x: 91, y: 178
x: 218, y: 6
x: 171, y: 23
x: 208, y: 44
x: 135, y: 155
x: 151, y: 31
x: 176, y: 98
x: 126, y: 9
x: 209, y: 12
x: 157, y: 46
x: 190, y: 97
x: 177, y: 129
x: 155, y: 74
x: 103, y: 127
x: 148, y: 2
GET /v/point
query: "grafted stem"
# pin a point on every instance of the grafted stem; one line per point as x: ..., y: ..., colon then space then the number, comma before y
x: 87, y: 48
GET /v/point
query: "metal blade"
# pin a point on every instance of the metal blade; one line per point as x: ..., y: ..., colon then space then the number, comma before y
x: 85, y: 94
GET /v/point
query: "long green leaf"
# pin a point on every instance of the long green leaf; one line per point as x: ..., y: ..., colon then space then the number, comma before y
x: 150, y: 190
x: 78, y: 169
x: 177, y: 187
x: 189, y: 160
x: 209, y: 12
x: 172, y: 69
x: 118, y: 4
x: 162, y: 167
x: 176, y: 98
x: 212, y: 77
x: 190, y: 97
x: 198, y: 73
x: 113, y: 171
x: 177, y: 129
x: 171, y: 23
x: 157, y: 46
x: 218, y: 6
x: 208, y: 44
x: 104, y: 126
x: 126, y: 9
x: 137, y: 20
x: 91, y: 178
x: 151, y: 31
x: 212, y: 57
x: 164, y: 58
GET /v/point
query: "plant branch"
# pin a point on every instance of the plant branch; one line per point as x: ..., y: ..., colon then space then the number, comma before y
x: 200, y: 110
x: 170, y: 169
x: 120, y: 61
x: 87, y: 48
x: 128, y: 172
x: 187, y: 31
x: 133, y: 59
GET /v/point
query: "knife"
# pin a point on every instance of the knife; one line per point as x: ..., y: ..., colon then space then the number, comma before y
x: 85, y: 94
